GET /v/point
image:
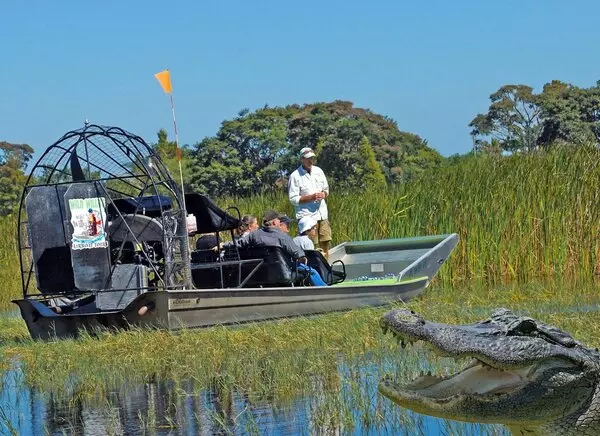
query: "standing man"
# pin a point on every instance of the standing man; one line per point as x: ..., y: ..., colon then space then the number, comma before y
x: 307, y: 190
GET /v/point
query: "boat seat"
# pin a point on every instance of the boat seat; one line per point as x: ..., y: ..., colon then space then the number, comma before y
x: 329, y: 275
x: 278, y: 268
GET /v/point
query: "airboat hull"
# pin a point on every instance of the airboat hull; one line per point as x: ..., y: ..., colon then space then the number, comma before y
x: 417, y: 260
x: 179, y: 309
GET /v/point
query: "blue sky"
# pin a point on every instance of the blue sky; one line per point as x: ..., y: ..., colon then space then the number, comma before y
x: 429, y: 65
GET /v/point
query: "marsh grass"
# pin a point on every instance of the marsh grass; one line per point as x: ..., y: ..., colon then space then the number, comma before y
x: 331, y: 363
x: 275, y: 360
x: 520, y: 218
x: 10, y: 280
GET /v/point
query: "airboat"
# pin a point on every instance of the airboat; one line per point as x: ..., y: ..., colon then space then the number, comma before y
x: 108, y: 240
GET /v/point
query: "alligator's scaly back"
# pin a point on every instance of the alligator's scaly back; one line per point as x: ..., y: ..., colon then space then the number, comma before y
x: 530, y: 376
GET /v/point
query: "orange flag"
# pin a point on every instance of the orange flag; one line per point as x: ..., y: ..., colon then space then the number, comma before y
x: 164, y: 78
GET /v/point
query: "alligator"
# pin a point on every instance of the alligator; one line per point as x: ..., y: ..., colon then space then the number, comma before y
x: 529, y: 376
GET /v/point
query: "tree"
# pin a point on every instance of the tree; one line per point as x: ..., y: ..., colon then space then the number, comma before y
x: 370, y: 172
x: 319, y: 123
x: 513, y: 119
x: 260, y: 140
x: 262, y: 147
x: 571, y: 114
x: 339, y: 156
x: 218, y: 170
x: 167, y: 151
x: 13, y: 161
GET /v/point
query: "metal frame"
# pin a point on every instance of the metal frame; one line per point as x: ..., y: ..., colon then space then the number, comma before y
x: 104, y: 154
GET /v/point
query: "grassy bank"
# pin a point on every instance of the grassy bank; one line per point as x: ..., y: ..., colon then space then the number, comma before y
x: 275, y: 360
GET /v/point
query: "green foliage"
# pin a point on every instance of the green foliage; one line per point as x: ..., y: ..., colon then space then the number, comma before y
x: 370, y: 172
x: 520, y: 218
x: 218, y: 170
x: 167, y: 150
x: 257, y: 150
x: 275, y: 363
x: 519, y: 120
x: 340, y: 126
x: 9, y: 261
x: 571, y: 114
x: 13, y: 160
x: 513, y: 119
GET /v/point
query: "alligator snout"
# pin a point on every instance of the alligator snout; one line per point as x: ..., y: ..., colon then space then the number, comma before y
x: 398, y: 317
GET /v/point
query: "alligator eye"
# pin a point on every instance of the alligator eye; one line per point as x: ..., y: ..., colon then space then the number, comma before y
x: 521, y: 326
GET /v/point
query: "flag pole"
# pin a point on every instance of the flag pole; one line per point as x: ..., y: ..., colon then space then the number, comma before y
x: 178, y: 151
x: 164, y: 78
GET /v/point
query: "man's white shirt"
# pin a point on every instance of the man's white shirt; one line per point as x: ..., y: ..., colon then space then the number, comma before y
x: 304, y: 183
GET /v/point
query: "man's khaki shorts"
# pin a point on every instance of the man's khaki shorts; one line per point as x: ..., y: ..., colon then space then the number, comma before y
x: 323, y: 232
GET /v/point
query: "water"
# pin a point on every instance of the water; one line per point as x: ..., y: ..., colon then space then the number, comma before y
x: 348, y: 405
x: 343, y: 402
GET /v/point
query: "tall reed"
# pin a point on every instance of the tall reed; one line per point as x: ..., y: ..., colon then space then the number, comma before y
x: 10, y: 280
x: 520, y: 217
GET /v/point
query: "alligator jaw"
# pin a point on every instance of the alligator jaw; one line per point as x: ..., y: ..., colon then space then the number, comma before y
x: 540, y: 376
x: 476, y: 379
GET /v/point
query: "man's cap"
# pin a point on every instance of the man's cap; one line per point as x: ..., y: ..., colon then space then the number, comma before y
x: 285, y: 219
x: 306, y: 223
x: 270, y: 215
x: 307, y: 152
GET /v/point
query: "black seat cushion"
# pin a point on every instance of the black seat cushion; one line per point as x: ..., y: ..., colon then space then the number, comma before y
x: 328, y: 274
x: 278, y: 269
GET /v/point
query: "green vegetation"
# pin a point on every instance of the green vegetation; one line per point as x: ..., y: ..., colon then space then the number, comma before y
x: 9, y: 262
x: 520, y: 218
x: 257, y: 150
x: 13, y: 160
x: 333, y: 359
x: 520, y: 120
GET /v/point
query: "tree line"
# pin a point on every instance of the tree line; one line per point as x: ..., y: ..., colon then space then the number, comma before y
x: 257, y: 150
x: 518, y: 119
x: 357, y: 148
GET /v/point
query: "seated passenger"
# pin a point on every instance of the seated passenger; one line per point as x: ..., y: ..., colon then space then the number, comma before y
x: 307, y: 227
x: 249, y: 224
x: 270, y: 235
x: 284, y: 223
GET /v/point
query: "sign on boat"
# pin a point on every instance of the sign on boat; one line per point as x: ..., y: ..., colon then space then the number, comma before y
x: 105, y: 242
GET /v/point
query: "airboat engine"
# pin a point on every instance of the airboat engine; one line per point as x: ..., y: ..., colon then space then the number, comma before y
x: 101, y: 222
